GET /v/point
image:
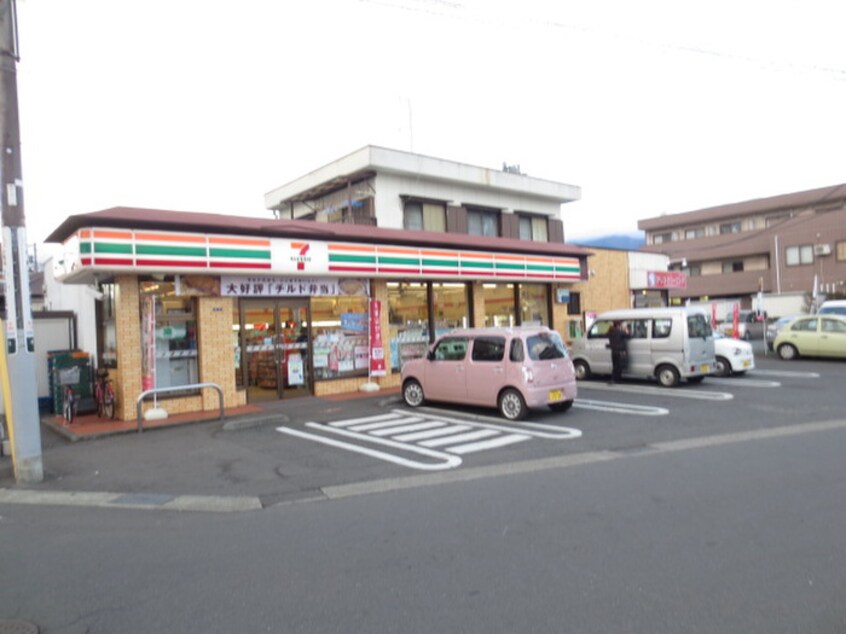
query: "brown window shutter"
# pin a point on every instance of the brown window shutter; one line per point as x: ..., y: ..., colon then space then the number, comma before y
x: 556, y: 230
x: 456, y: 219
x: 510, y: 224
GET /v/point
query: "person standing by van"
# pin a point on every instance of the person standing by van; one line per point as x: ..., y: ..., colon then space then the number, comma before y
x: 619, y: 354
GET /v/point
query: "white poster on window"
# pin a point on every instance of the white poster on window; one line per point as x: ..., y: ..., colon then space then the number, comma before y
x: 295, y: 369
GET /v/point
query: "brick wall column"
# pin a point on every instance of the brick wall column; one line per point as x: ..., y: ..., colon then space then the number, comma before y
x: 215, y: 351
x: 478, y: 304
x: 127, y: 377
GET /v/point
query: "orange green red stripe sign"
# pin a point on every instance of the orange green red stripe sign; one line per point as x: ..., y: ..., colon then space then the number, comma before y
x: 165, y: 250
x: 160, y: 251
x: 379, y: 261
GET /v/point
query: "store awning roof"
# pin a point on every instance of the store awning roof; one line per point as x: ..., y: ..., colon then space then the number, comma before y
x: 165, y: 220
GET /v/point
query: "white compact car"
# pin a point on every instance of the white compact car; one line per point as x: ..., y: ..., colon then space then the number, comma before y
x: 733, y: 355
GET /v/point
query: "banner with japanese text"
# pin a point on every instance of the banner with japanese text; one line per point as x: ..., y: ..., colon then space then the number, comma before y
x: 377, y: 351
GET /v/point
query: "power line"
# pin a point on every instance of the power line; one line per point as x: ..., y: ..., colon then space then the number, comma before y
x: 461, y: 11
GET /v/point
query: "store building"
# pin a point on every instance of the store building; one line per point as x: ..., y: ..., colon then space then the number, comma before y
x: 328, y: 295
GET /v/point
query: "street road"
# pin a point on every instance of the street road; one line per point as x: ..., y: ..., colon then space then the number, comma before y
x: 708, y: 508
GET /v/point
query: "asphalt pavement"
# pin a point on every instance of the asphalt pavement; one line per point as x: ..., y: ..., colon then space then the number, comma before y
x: 216, y: 465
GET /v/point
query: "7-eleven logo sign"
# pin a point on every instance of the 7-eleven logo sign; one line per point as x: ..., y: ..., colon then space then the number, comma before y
x: 301, y: 256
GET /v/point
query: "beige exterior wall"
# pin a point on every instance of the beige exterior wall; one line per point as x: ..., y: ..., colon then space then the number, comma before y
x: 607, y: 286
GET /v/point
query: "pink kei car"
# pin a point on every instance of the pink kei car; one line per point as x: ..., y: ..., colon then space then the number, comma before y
x: 512, y: 369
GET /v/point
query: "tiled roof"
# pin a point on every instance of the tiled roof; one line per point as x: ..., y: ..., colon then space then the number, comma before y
x: 795, y: 200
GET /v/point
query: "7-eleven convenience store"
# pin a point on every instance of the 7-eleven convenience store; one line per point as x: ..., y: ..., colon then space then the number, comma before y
x: 273, y: 309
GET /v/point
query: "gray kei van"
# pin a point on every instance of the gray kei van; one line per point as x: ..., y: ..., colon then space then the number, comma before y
x: 667, y: 344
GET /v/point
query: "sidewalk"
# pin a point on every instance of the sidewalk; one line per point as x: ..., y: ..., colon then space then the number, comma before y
x: 196, y: 462
x: 91, y: 426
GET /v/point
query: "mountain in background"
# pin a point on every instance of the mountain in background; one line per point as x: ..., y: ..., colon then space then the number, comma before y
x: 623, y: 241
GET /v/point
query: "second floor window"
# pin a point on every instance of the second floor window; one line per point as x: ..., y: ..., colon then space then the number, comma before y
x: 794, y: 256
x: 735, y: 266
x: 661, y: 238
x: 482, y: 223
x: 730, y: 227
x: 533, y: 228
x: 421, y: 216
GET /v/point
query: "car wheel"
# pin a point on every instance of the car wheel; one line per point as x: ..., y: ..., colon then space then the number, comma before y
x: 561, y: 407
x: 787, y: 351
x: 511, y: 405
x: 582, y: 370
x: 412, y: 393
x: 667, y: 376
x: 723, y: 367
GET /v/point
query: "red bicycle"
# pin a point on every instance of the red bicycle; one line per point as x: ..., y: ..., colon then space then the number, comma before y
x: 104, y: 395
x: 69, y: 405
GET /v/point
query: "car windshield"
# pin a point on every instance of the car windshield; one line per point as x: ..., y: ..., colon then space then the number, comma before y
x: 545, y: 345
x: 698, y: 326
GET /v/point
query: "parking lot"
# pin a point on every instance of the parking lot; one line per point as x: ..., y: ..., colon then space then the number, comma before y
x: 630, y: 416
x: 309, y: 447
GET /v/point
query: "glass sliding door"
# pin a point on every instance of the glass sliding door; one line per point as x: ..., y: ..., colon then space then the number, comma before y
x: 275, y: 345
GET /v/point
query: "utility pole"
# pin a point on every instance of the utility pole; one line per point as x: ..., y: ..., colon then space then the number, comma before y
x: 22, y: 396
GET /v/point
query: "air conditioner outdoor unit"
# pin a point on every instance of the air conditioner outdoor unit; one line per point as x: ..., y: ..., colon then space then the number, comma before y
x: 822, y: 249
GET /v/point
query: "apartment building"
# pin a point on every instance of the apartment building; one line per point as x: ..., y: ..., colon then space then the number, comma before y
x: 781, y: 245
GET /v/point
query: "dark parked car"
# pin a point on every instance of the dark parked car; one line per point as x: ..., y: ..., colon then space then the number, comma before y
x: 750, y: 325
x: 773, y: 328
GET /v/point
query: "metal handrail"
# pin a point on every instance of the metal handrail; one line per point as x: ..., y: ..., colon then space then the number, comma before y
x: 178, y: 388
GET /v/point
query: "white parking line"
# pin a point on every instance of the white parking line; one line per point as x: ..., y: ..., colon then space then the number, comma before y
x: 620, y: 408
x: 432, y: 433
x: 403, y: 429
x: 445, y: 460
x: 421, y: 434
x: 673, y: 392
x: 499, y: 441
x: 788, y: 373
x: 460, y: 438
x: 367, y: 419
x: 741, y: 382
x: 536, y: 430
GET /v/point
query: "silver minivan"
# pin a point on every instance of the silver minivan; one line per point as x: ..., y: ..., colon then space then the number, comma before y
x: 667, y: 344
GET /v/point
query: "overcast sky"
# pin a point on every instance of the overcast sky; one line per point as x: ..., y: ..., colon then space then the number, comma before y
x: 650, y: 107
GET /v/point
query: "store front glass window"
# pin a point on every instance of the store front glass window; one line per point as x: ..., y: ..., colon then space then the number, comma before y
x: 499, y: 304
x: 108, y: 332
x: 236, y: 344
x: 339, y: 337
x: 452, y: 310
x: 534, y: 305
x: 408, y: 321
x: 168, y: 336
